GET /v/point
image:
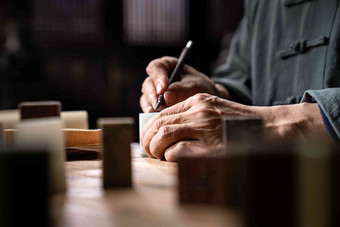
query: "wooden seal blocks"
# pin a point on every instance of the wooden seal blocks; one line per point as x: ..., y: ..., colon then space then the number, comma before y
x: 39, y: 109
x: 116, y: 139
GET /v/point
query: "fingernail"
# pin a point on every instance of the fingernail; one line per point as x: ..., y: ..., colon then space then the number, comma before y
x: 159, y: 88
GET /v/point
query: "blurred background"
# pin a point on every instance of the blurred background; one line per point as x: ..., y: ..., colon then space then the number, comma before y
x: 92, y: 54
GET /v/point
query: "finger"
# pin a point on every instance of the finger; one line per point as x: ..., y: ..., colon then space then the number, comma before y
x: 176, y: 109
x: 189, y: 148
x: 159, y: 70
x: 171, y: 115
x: 180, y: 91
x: 163, y: 118
x: 167, y: 136
x: 149, y: 90
x: 145, y: 105
x: 152, y: 127
x: 166, y: 116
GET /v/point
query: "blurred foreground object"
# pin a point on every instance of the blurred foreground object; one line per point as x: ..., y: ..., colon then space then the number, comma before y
x: 117, y: 136
x: 46, y: 134
x: 23, y: 192
x: 39, y: 109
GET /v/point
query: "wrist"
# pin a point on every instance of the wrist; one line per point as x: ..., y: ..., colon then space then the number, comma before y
x: 292, y: 122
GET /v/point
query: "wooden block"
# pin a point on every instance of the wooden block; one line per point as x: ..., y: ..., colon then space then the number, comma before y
x: 72, y: 137
x: 23, y: 190
x: 75, y: 119
x: 9, y: 118
x: 335, y: 188
x: 271, y: 184
x: 46, y: 134
x: 211, y: 180
x: 9, y: 137
x: 242, y: 131
x: 117, y: 136
x: 299, y: 186
x: 315, y: 176
x: 71, y: 119
x: 39, y: 109
x: 81, y: 137
x: 259, y: 183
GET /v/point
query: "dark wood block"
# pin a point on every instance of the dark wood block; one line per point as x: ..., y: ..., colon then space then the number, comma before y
x: 211, y: 180
x: 242, y: 131
x: 259, y: 183
x: 116, y: 139
x: 271, y: 185
x: 39, y: 109
x: 271, y: 182
x: 23, y: 188
x: 335, y: 187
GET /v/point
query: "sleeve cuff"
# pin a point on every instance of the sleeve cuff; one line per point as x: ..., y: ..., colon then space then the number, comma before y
x: 328, y: 126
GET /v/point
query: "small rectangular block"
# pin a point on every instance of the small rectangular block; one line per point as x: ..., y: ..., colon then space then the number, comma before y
x: 45, y: 133
x: 39, y: 109
x: 242, y: 131
x: 116, y: 139
x: 211, y: 180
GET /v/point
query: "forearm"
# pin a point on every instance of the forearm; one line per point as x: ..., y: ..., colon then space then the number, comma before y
x: 292, y: 122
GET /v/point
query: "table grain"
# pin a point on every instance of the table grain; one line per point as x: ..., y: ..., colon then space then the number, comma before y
x: 152, y: 201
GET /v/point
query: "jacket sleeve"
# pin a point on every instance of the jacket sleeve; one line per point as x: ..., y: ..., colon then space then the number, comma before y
x: 234, y: 74
x: 329, y: 103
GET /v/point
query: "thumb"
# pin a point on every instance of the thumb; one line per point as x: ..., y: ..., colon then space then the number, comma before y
x: 177, y: 92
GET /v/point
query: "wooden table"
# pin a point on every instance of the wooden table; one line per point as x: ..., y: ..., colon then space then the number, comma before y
x: 152, y: 201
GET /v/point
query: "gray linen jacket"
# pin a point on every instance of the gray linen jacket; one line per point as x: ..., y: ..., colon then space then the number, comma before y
x: 286, y: 52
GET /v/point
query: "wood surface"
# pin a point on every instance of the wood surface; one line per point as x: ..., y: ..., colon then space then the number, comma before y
x: 152, y: 201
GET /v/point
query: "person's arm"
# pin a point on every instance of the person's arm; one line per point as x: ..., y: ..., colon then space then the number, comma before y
x: 328, y: 101
x: 194, y: 125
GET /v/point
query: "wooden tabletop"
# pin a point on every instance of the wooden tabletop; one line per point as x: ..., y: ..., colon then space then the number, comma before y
x: 152, y: 201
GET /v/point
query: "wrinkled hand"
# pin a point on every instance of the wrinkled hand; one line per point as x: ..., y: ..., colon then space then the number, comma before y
x: 192, y: 82
x: 192, y: 126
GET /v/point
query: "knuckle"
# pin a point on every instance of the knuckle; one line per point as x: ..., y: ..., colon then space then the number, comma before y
x: 151, y: 66
x: 159, y: 122
x: 181, y: 146
x: 199, y: 97
x: 164, y: 131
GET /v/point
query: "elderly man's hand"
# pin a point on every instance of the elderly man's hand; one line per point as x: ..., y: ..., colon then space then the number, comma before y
x: 192, y: 82
x: 192, y: 126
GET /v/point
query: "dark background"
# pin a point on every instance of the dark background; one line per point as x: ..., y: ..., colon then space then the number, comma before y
x: 78, y: 51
